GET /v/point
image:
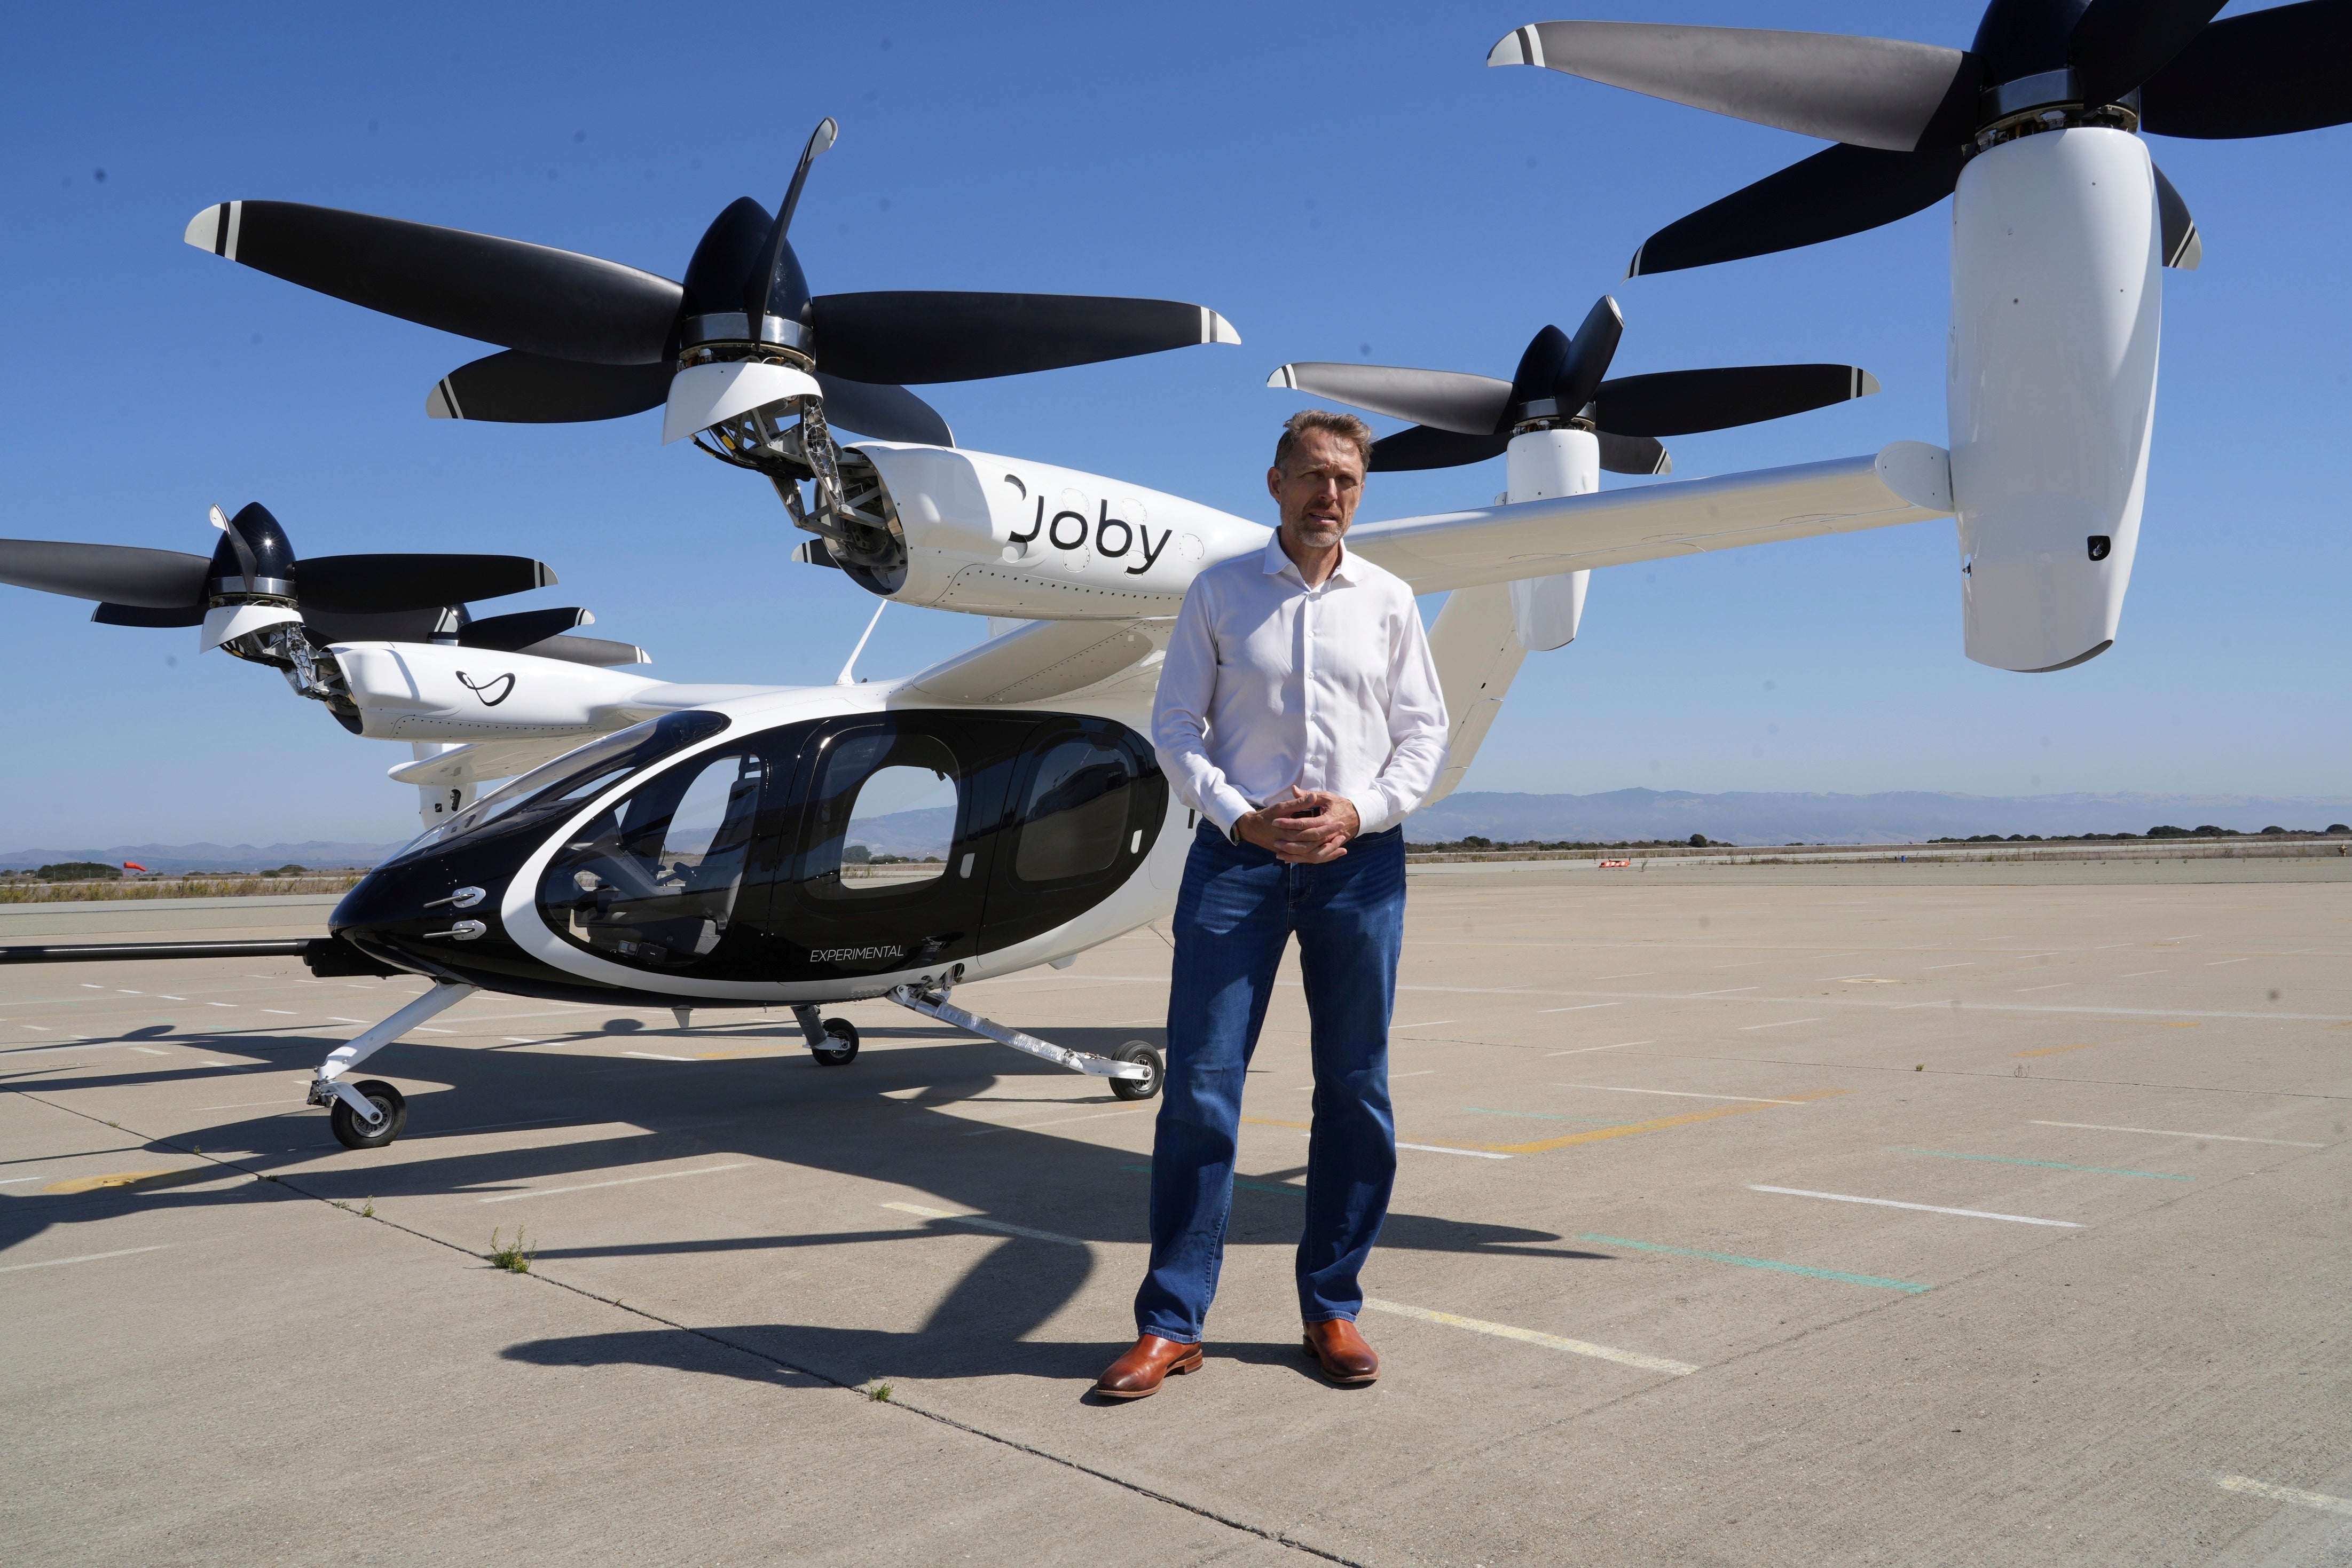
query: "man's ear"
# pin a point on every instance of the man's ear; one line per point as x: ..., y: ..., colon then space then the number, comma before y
x: 1274, y: 482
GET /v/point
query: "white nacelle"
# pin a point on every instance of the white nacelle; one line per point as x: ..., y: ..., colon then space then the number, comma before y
x: 2056, y: 299
x: 425, y: 691
x: 1008, y: 537
x: 1542, y: 464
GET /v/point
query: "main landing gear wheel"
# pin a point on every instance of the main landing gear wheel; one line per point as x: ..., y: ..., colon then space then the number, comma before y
x: 843, y: 1051
x: 1135, y: 1051
x: 354, y: 1133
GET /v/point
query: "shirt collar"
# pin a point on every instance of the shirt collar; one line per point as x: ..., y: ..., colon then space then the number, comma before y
x: 1278, y: 562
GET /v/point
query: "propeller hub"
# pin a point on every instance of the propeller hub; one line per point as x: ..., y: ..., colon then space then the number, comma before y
x: 735, y: 326
x: 223, y: 590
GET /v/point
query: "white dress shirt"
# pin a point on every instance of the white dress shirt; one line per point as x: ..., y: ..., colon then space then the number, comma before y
x: 1269, y: 683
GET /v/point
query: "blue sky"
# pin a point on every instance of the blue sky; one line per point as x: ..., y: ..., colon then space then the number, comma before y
x: 1341, y: 183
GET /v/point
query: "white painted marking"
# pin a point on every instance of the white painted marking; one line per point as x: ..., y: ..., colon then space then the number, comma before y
x: 656, y: 1056
x: 2253, y: 1488
x: 1636, y: 975
x: 422, y: 1029
x: 625, y: 1181
x: 1679, y: 1093
x: 1420, y: 1073
x: 346, y: 1021
x: 1529, y: 1336
x: 281, y: 1012
x: 130, y: 993
x: 1734, y: 989
x: 1431, y: 1023
x: 2217, y: 963
x: 2161, y: 1133
x: 231, y: 1006
x: 983, y: 1222
x: 1580, y: 1008
x: 150, y: 1050
x: 2135, y: 974
x: 1784, y: 1023
x: 216, y: 1064
x: 84, y: 1257
x: 12, y: 1181
x: 1580, y: 1049
x: 247, y: 1104
x: 2059, y: 986
x: 1442, y: 1149
x: 1064, y: 1121
x: 166, y: 996
x: 1932, y: 968
x: 1923, y: 1208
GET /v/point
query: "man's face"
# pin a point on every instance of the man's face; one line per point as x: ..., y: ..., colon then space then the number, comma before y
x: 1318, y: 489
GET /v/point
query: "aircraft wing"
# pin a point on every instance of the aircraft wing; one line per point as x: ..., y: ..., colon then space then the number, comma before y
x: 1908, y: 482
x: 1042, y: 659
x: 485, y: 760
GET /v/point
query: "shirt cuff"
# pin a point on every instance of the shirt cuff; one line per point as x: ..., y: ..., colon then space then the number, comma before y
x: 1372, y: 813
x: 1226, y: 806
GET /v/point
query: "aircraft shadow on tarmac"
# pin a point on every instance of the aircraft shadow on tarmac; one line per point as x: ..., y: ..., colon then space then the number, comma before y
x: 842, y: 1121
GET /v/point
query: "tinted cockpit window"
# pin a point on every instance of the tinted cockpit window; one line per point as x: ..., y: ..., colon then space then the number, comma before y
x: 1074, y: 816
x: 652, y: 880
x: 577, y: 775
x: 883, y: 816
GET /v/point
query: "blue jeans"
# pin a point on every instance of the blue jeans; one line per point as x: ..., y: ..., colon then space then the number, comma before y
x: 1238, y: 909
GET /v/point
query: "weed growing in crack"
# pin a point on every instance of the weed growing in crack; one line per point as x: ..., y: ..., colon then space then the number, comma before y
x: 514, y: 1255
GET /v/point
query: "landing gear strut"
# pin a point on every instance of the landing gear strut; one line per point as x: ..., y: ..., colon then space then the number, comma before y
x: 1134, y: 1073
x: 833, y: 1042
x: 371, y: 1115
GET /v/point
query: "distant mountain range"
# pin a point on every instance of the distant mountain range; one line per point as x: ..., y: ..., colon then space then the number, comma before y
x: 1738, y: 817
x: 177, y: 858
x: 1896, y: 818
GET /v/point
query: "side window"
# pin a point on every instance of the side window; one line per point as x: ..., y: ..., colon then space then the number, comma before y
x: 653, y: 881
x: 1073, y: 814
x: 883, y: 815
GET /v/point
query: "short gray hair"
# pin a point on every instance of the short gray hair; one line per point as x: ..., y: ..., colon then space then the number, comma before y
x: 1346, y: 426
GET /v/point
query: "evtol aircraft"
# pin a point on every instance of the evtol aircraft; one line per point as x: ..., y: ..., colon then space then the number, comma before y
x: 709, y: 846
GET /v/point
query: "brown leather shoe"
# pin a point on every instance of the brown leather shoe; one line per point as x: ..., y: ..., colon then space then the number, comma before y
x: 1142, y: 1370
x: 1347, y: 1359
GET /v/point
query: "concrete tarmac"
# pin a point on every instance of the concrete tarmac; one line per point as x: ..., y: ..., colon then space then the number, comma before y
x: 1745, y: 1215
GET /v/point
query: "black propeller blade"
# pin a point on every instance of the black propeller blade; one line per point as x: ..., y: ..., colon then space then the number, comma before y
x: 596, y: 340
x: 1683, y: 402
x: 915, y: 336
x: 1558, y: 378
x: 1871, y: 92
x: 1905, y: 115
x: 1835, y: 193
x: 503, y: 292
x: 2267, y: 73
x: 379, y: 584
x: 124, y: 575
x: 2182, y: 248
x: 514, y: 634
x: 2118, y: 43
x: 516, y: 388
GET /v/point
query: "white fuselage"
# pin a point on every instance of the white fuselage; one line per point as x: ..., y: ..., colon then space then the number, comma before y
x: 2056, y: 301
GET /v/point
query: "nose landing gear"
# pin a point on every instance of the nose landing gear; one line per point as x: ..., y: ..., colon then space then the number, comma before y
x: 833, y: 1042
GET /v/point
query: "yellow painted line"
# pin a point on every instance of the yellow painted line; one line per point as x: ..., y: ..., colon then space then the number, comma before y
x: 2181, y: 1026
x: 2061, y: 1050
x: 146, y: 1181
x: 1545, y: 1146
x: 1530, y: 1336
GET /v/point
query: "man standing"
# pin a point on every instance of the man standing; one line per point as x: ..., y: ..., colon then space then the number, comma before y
x: 1299, y: 713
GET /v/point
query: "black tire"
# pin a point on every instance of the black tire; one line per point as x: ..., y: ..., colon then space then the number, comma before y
x: 1138, y: 1088
x: 354, y: 1133
x: 842, y: 1053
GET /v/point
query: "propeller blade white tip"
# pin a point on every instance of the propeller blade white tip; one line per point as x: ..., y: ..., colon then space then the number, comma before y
x: 1215, y: 328
x: 215, y: 228
x: 219, y: 520
x: 828, y: 132
x: 441, y: 403
x: 1865, y: 384
x: 1281, y: 378
x: 1519, y: 46
x: 587, y: 618
x: 1665, y: 464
